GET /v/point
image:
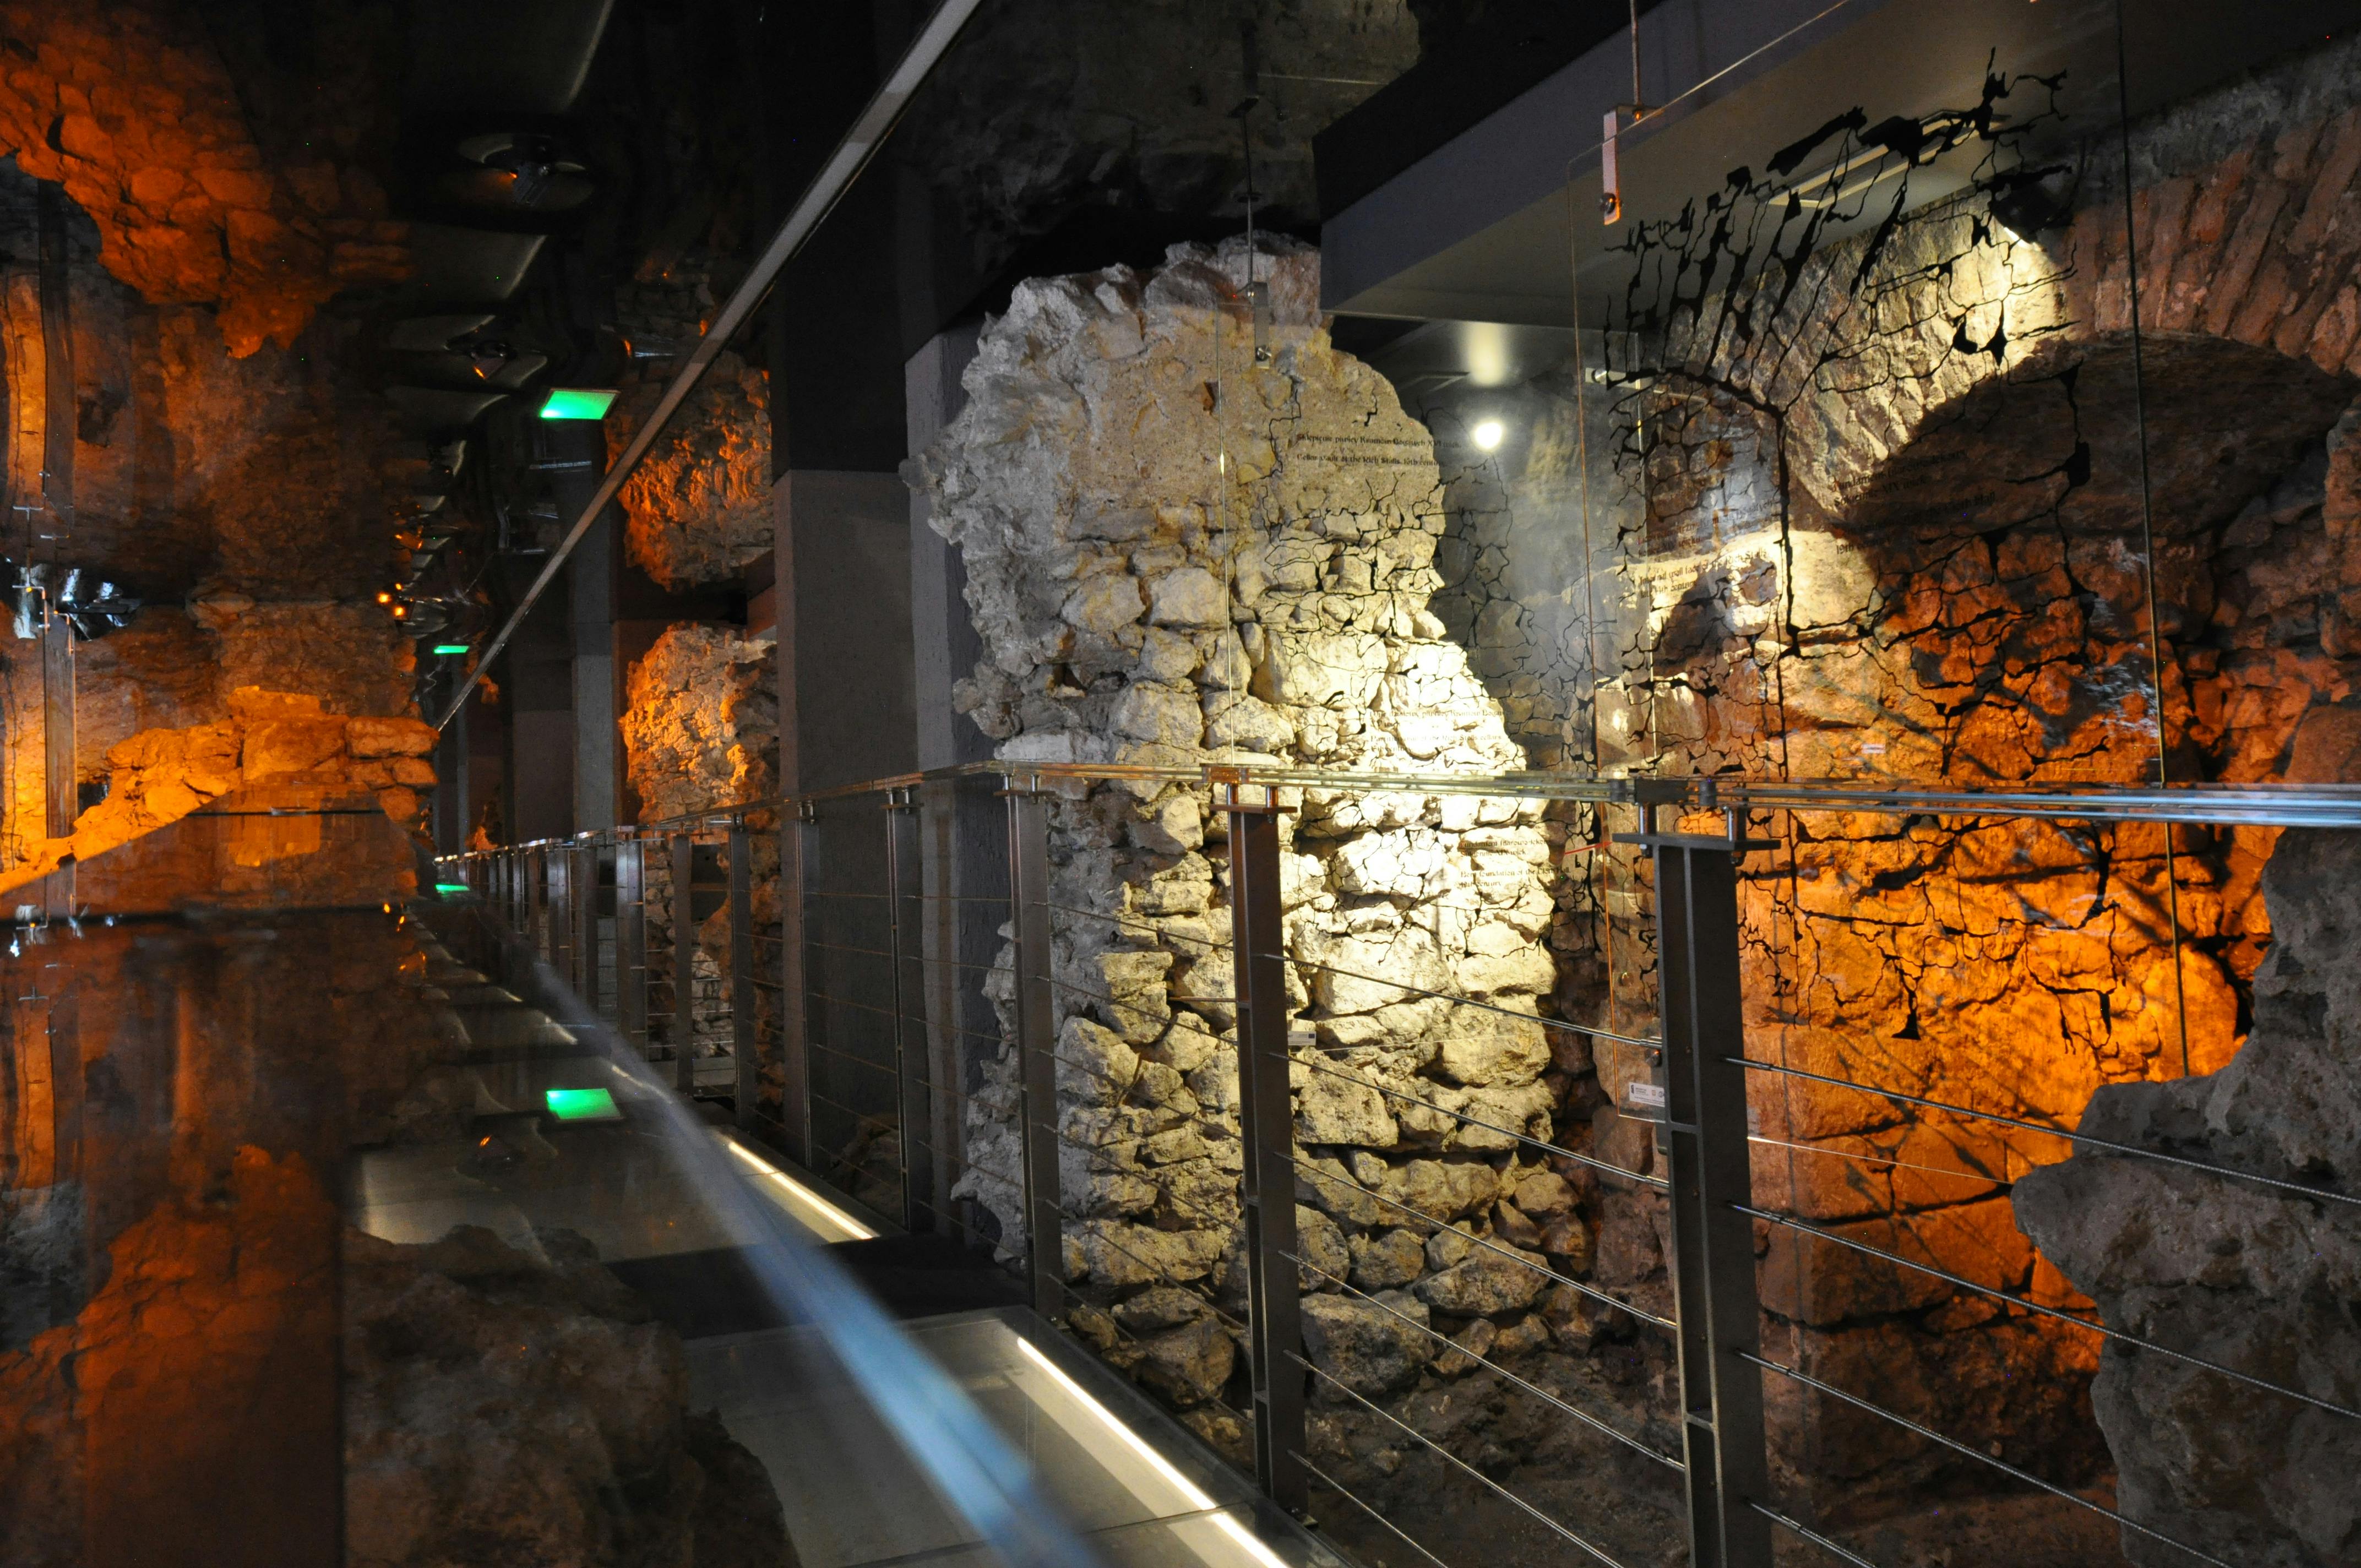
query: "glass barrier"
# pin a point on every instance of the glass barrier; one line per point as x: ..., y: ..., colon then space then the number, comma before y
x: 338, y: 1227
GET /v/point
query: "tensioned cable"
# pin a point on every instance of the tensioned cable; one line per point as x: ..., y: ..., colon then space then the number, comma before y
x: 1470, y: 1001
x: 1815, y: 1537
x: 1445, y: 1339
x: 1932, y: 1436
x: 1550, y: 1148
x: 859, y: 144
x: 2221, y: 1171
x: 1792, y: 1223
x: 1998, y: 1183
x: 1354, y: 1394
x: 1343, y: 1491
x: 1574, y: 1285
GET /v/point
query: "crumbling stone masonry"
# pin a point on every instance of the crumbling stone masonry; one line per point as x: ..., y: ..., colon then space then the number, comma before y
x: 1180, y: 550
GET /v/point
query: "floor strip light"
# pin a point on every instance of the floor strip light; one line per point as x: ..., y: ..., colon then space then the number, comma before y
x: 1165, y: 1469
x: 808, y: 1206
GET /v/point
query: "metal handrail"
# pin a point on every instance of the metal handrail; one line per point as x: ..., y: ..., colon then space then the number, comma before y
x: 2228, y: 805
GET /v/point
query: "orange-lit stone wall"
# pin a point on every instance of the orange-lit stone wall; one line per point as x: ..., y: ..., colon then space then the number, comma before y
x: 130, y: 107
x: 1893, y: 524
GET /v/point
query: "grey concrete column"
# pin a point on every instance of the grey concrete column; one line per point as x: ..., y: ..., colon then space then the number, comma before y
x: 963, y: 830
x: 945, y: 646
x: 597, y: 696
x: 840, y: 580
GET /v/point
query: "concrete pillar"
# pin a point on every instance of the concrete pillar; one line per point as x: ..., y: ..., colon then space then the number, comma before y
x: 963, y: 833
x: 944, y: 646
x: 841, y: 579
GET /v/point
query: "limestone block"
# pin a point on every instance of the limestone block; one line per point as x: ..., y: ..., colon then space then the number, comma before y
x: 1387, y: 1259
x: 366, y: 737
x: 1485, y: 1280
x: 1190, y: 597
x: 1321, y: 1244
x: 1189, y: 1364
x: 1330, y: 1109
x: 280, y: 746
x: 1364, y: 1346
x: 1114, y: 1252
x: 1098, y: 1067
x: 1481, y: 1047
x: 1106, y: 603
x: 1544, y: 1193
x: 1407, y: 864
x: 1497, y: 1114
x: 1235, y: 720
x: 1330, y: 1186
x: 1528, y: 969
x: 1161, y: 1306
x: 1159, y: 715
x: 1442, y: 1189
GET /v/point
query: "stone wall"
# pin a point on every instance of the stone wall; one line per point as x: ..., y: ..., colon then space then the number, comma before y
x: 702, y: 729
x: 698, y: 506
x: 2245, y: 1275
x: 1178, y: 552
x: 1882, y: 514
x: 131, y: 107
x: 160, y: 775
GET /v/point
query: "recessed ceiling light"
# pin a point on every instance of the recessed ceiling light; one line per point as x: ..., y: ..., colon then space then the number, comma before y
x: 1488, y: 433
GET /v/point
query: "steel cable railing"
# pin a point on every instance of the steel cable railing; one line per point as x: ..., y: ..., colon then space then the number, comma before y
x: 1633, y: 1443
x: 1038, y: 958
x: 1552, y: 1525
x: 1576, y: 1285
x: 1818, y: 1232
x: 2012, y: 1472
x: 1555, y: 1151
x: 2299, y: 1189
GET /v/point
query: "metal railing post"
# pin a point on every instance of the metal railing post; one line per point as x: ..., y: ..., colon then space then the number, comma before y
x: 558, y: 868
x: 747, y: 1072
x: 684, y: 963
x: 632, y: 941
x: 1266, y: 1128
x: 913, y: 1108
x: 1029, y: 895
x: 583, y: 877
x: 1703, y: 1141
x: 795, y: 1024
x: 536, y: 897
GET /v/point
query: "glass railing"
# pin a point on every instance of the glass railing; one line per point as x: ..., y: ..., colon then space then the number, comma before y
x: 334, y: 1227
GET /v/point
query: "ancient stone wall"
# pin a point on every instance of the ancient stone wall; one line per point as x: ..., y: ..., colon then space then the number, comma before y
x: 1883, y: 512
x: 701, y: 730
x: 698, y: 506
x: 132, y: 109
x: 1180, y: 550
x: 157, y: 777
x: 2246, y: 1276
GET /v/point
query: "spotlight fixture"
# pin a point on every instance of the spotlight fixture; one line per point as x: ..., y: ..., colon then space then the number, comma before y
x: 577, y: 402
x: 384, y: 597
x: 1488, y: 433
x: 401, y: 612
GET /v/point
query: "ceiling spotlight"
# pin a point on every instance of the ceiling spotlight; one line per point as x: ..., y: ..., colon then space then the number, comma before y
x: 1488, y: 433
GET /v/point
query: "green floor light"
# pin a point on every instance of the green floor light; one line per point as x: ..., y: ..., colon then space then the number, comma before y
x: 582, y: 1105
x: 577, y: 402
x: 451, y: 889
x: 450, y: 647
